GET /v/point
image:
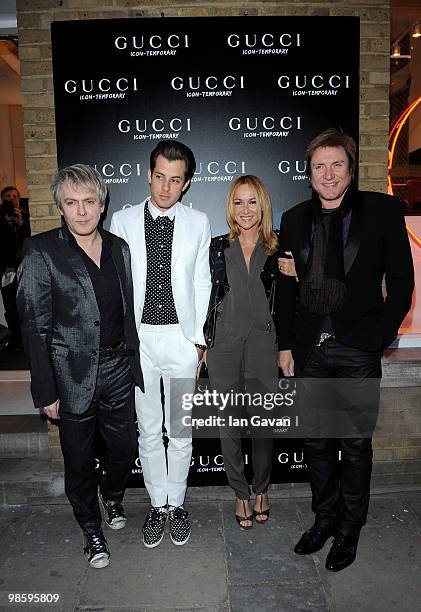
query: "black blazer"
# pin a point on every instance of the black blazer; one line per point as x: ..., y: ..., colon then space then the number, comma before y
x: 59, y: 319
x: 377, y: 246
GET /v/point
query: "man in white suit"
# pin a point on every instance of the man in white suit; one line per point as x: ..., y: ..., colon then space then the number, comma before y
x: 169, y: 246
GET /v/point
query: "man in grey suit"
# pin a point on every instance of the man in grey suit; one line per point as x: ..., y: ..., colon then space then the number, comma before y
x: 75, y: 301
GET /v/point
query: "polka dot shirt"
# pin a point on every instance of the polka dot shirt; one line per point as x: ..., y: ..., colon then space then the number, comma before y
x: 159, y: 307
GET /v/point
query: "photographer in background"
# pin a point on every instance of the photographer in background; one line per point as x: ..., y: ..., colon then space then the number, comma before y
x: 14, y: 228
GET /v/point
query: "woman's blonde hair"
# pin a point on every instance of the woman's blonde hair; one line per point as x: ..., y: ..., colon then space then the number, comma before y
x: 268, y: 238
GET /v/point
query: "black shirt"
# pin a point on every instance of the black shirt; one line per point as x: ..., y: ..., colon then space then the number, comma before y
x: 106, y: 286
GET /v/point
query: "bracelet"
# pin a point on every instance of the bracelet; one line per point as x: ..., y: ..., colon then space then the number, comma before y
x: 201, y: 346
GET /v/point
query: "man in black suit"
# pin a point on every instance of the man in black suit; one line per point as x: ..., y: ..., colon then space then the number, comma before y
x: 335, y: 323
x: 14, y: 228
x: 75, y: 300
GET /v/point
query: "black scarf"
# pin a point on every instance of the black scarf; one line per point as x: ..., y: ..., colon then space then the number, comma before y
x: 323, y: 289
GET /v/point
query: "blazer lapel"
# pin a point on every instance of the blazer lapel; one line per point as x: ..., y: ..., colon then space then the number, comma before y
x: 354, y: 235
x: 180, y: 233
x: 75, y: 261
x: 120, y: 265
x: 137, y: 240
x: 352, y: 243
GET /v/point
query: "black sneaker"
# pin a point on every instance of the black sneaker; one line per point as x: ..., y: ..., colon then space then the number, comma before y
x: 180, y: 527
x: 113, y: 513
x: 154, y: 527
x: 96, y: 549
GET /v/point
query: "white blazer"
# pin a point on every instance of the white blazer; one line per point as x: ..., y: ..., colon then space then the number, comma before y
x: 190, y: 274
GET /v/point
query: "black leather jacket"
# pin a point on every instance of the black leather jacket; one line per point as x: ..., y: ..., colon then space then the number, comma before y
x: 220, y: 285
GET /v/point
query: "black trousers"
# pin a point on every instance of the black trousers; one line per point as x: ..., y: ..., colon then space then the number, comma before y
x: 341, y: 488
x: 111, y: 413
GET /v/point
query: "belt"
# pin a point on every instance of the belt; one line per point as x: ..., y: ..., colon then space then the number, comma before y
x: 323, y: 337
x: 117, y: 348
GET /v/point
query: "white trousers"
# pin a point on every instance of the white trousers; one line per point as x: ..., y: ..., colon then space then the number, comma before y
x: 166, y: 353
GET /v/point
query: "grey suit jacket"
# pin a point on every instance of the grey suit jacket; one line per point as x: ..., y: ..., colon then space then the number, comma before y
x: 60, y: 319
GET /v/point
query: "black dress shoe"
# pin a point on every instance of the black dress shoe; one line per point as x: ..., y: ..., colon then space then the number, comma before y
x: 342, y: 553
x: 313, y: 540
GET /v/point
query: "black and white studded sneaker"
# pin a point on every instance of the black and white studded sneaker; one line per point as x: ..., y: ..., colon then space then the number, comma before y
x: 180, y: 527
x: 154, y: 527
x: 113, y: 513
x: 96, y: 549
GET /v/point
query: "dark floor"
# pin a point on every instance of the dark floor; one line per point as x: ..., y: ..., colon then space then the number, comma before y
x: 221, y: 569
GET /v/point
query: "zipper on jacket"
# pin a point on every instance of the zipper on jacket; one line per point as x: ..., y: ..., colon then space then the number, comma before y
x: 228, y: 289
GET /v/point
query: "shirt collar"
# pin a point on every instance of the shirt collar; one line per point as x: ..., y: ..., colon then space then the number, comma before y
x: 155, y: 213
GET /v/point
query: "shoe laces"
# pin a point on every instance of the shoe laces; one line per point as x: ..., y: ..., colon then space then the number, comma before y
x: 315, y: 532
x: 157, y: 515
x: 177, y: 513
x: 96, y: 542
x: 342, y: 541
x: 114, y: 511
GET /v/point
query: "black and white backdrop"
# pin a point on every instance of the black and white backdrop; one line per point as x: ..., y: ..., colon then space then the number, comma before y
x: 246, y: 94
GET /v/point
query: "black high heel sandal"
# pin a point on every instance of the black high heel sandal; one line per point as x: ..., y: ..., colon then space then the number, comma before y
x: 261, y: 512
x: 240, y: 519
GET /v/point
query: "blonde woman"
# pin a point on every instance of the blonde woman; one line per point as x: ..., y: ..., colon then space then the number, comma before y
x: 241, y: 336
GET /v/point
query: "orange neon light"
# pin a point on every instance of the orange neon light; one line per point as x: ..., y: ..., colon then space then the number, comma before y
x: 398, y: 119
x: 389, y: 185
x: 409, y: 110
x: 393, y: 136
x: 414, y: 236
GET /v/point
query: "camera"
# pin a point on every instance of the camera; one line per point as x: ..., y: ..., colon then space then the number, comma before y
x: 9, y: 207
